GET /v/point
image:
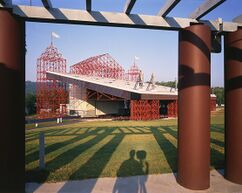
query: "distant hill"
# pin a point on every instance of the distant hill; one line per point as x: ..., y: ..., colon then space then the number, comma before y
x: 30, y: 87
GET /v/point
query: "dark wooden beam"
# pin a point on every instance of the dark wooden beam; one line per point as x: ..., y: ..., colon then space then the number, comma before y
x: 89, y: 5
x: 47, y: 3
x: 6, y: 2
x: 129, y: 6
x: 70, y: 16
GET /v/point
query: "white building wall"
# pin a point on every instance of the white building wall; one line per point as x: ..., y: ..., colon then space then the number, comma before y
x: 78, y: 104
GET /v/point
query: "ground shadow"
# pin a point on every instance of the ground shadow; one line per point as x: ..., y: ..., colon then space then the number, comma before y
x: 138, y: 169
x: 66, y: 157
x: 94, y: 165
x: 35, y: 155
x: 170, y: 151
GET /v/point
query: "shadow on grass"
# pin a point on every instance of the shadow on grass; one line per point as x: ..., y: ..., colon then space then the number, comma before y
x: 94, y: 166
x: 217, y: 142
x: 217, y: 159
x: 217, y: 128
x: 35, y: 155
x: 139, y: 171
x: 65, y: 158
x: 167, y: 147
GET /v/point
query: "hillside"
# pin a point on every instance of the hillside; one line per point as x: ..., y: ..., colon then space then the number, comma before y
x: 30, y: 87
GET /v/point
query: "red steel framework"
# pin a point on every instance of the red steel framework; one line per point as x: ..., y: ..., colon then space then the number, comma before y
x: 144, y: 109
x: 133, y: 73
x: 172, y: 108
x: 51, y: 95
x: 101, y: 66
x: 98, y: 66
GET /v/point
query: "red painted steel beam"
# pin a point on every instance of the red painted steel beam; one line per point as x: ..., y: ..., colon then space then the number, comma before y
x: 233, y: 106
x: 12, y: 111
x: 194, y: 107
x: 50, y: 93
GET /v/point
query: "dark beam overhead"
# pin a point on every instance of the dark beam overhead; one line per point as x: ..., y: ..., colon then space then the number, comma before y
x: 129, y: 6
x: 70, y: 16
x: 205, y: 8
x: 238, y: 19
x: 6, y: 2
x: 47, y: 3
x: 88, y: 5
x: 168, y: 6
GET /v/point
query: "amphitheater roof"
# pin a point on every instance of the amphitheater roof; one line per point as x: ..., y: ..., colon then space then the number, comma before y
x: 119, y: 88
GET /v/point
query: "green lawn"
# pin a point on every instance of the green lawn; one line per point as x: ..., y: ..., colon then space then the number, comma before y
x: 101, y: 149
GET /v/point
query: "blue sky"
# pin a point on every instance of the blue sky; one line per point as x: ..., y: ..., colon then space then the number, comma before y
x: 157, y: 49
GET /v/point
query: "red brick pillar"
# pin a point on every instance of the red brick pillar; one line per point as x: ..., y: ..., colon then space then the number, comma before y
x: 194, y: 107
x: 233, y: 106
x: 12, y: 111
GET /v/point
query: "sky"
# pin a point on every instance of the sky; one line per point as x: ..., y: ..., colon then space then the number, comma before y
x: 157, y: 49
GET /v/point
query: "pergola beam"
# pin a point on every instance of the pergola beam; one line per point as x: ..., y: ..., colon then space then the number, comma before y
x: 5, y: 2
x: 47, y: 3
x: 205, y: 8
x: 55, y: 15
x: 168, y: 6
x: 129, y: 6
x: 89, y: 5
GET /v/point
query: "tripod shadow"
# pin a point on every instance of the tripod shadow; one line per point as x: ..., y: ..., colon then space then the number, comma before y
x: 137, y: 169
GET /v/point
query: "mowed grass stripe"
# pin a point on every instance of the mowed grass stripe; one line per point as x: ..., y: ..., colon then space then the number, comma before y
x: 217, y: 148
x: 108, y: 144
x: 66, y: 171
x: 170, y: 138
x: 217, y: 135
x: 140, y: 142
x: 34, y: 155
x: 54, y: 154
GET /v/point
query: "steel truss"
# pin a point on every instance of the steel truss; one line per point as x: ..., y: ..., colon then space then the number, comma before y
x: 51, y: 95
x: 172, y: 109
x: 144, y: 109
x: 133, y: 73
x: 100, y: 66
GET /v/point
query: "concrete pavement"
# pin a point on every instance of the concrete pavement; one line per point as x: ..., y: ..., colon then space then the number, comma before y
x: 164, y: 183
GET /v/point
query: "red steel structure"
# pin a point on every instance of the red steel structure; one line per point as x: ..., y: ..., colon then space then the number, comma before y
x: 133, y: 73
x: 144, y: 109
x: 172, y: 108
x: 51, y: 95
x: 101, y: 66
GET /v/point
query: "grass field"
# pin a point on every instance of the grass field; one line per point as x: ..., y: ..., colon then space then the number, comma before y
x: 101, y: 149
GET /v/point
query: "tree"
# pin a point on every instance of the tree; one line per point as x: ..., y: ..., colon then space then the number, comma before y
x: 219, y: 92
x: 169, y: 83
x: 30, y: 103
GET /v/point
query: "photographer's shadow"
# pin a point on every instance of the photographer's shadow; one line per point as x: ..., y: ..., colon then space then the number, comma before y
x: 138, y: 169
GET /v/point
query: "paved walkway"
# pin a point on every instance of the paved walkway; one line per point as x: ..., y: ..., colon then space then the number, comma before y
x: 162, y: 183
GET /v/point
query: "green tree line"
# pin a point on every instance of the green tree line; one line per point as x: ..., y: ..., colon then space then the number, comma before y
x: 218, y: 91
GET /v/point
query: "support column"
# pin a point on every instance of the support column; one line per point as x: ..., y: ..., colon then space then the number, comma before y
x: 12, y: 111
x: 233, y: 106
x: 194, y: 107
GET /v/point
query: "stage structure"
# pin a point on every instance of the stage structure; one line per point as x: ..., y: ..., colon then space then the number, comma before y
x: 93, y: 96
x: 196, y: 36
x: 100, y: 66
x: 51, y: 95
x: 134, y: 72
